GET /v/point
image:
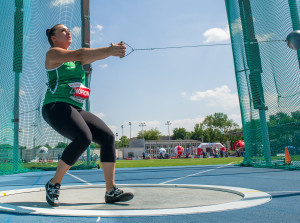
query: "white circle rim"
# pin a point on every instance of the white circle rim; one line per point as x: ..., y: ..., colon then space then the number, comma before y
x: 250, y: 198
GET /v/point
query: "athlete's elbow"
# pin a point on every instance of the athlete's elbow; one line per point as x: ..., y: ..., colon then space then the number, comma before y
x: 81, y: 55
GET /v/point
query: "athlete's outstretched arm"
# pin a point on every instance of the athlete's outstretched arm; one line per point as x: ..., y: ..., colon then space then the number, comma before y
x: 57, y: 55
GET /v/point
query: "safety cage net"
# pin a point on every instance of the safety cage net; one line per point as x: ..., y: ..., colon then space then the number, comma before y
x: 268, y: 80
x: 26, y: 140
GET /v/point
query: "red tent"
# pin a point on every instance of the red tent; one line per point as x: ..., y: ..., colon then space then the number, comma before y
x: 238, y: 144
x: 179, y: 150
x: 200, y: 152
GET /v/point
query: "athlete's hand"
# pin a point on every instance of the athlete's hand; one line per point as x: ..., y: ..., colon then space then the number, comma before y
x: 117, y: 50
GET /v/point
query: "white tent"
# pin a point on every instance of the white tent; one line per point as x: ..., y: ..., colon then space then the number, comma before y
x: 42, y: 152
x: 216, y: 146
x: 162, y: 150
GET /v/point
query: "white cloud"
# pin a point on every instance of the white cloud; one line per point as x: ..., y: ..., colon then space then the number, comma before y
x: 216, y: 35
x: 96, y: 34
x: 236, y: 118
x: 149, y: 124
x: 76, y: 31
x: 100, y: 115
x: 236, y: 27
x: 218, y: 97
x: 103, y: 66
x: 265, y: 37
x: 188, y: 123
x: 135, y: 128
x: 96, y: 28
x: 99, y: 27
x: 152, y: 124
x: 58, y: 3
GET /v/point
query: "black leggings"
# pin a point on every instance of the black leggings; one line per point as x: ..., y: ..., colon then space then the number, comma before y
x: 81, y: 127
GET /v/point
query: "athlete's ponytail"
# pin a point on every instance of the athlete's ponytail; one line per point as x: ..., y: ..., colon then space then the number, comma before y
x: 51, y: 32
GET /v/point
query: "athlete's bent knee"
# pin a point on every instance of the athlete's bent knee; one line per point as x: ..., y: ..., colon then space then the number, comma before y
x: 110, y: 139
x: 84, y: 140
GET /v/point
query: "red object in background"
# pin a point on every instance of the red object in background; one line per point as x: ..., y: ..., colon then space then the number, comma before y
x: 200, y: 152
x: 195, y: 150
x: 179, y: 150
x: 239, y: 143
x: 222, y: 149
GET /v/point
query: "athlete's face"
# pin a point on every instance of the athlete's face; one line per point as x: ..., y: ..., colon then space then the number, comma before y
x: 62, y: 35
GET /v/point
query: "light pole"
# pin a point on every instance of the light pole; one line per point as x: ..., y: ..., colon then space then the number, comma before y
x: 117, y: 136
x: 122, y: 126
x: 34, y: 125
x: 34, y: 151
x: 129, y: 133
x: 168, y: 124
x: 130, y: 130
x: 142, y: 124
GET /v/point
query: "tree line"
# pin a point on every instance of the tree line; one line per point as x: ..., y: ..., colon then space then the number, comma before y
x: 214, y: 128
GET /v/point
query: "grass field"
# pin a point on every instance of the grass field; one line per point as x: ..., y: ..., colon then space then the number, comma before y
x: 7, y: 168
x: 176, y: 162
x: 146, y: 163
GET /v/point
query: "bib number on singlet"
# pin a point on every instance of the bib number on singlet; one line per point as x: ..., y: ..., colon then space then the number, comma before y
x: 79, y: 92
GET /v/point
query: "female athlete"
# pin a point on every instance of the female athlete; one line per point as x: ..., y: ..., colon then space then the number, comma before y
x: 62, y: 110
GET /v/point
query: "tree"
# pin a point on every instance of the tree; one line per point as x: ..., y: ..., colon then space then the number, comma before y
x: 211, y: 135
x: 61, y: 145
x: 179, y: 133
x: 219, y: 124
x: 124, y: 141
x: 47, y: 146
x: 152, y: 134
x: 281, y: 118
x: 219, y: 121
x: 197, y: 134
x: 22, y: 147
x: 282, y: 130
x: 296, y: 115
x: 94, y: 145
x: 214, y: 128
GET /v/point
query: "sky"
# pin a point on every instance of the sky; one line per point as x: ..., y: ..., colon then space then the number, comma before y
x: 182, y: 86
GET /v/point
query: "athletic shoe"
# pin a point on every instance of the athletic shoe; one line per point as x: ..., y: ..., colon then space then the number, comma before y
x: 52, y: 193
x: 117, y: 195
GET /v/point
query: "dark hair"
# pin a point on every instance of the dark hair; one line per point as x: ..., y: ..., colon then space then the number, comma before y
x: 51, y: 32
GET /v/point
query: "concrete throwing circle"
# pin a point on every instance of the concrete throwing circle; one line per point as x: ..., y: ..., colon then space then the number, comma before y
x: 149, y: 200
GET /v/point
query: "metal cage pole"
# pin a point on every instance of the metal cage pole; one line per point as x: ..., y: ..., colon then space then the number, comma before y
x: 85, y: 34
x: 255, y: 67
x: 17, y: 68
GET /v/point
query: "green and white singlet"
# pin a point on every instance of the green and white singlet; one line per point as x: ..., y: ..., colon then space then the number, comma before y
x: 66, y: 83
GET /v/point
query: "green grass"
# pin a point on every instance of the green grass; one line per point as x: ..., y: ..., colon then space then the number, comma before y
x: 176, y: 162
x: 7, y: 168
x: 52, y: 166
x: 146, y: 163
